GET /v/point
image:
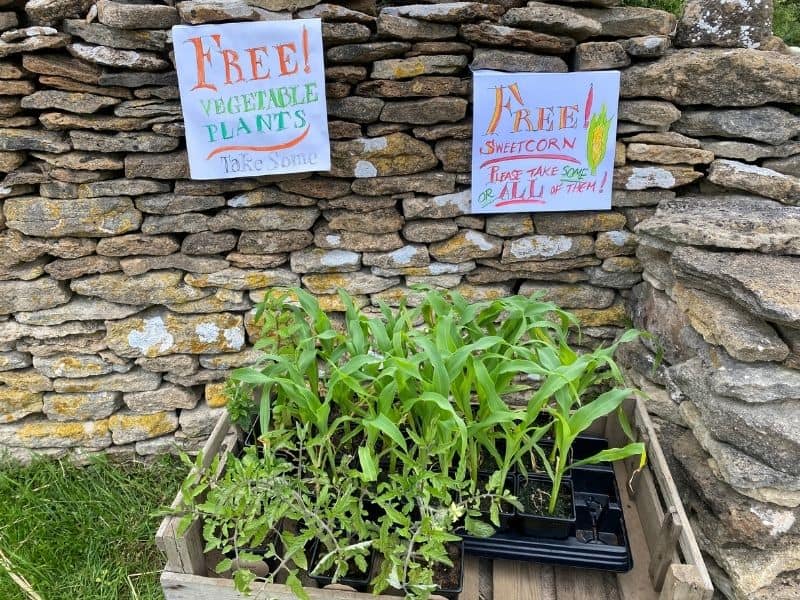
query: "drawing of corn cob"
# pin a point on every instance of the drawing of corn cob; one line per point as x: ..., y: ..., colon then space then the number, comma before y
x: 597, y: 139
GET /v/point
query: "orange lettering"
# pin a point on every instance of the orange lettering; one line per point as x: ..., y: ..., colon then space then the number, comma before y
x: 231, y: 58
x: 255, y: 62
x: 201, y: 57
x: 285, y: 62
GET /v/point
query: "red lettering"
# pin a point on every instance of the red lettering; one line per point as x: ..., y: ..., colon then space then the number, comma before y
x: 255, y: 62
x: 285, y: 62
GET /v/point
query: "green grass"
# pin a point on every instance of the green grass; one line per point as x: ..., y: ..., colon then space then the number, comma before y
x: 83, y: 533
x: 786, y: 23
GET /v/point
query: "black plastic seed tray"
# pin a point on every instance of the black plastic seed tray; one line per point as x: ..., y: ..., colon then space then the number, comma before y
x: 598, y: 540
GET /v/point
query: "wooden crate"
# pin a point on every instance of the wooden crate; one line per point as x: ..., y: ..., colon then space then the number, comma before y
x: 667, y: 560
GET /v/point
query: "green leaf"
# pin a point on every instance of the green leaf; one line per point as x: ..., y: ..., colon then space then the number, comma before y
x: 383, y: 424
x: 242, y: 580
x: 368, y: 466
x: 478, y: 528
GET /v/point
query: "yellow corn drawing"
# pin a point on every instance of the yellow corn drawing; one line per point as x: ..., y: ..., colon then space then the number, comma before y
x: 597, y: 139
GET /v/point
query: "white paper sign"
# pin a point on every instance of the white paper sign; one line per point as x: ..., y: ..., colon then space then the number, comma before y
x: 253, y: 98
x: 543, y: 141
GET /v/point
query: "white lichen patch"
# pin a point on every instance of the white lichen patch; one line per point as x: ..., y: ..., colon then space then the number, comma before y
x: 404, y: 255
x: 779, y: 521
x: 460, y: 199
x: 339, y: 258
x: 650, y: 177
x: 207, y: 332
x: 153, y: 336
x: 751, y: 169
x: 239, y: 201
x: 439, y: 268
x: 234, y: 337
x: 540, y: 246
x: 477, y: 239
x: 364, y: 168
x: 373, y: 144
x: 618, y: 238
x: 333, y: 239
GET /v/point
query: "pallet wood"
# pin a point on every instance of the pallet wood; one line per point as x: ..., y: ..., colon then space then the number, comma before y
x: 656, y: 522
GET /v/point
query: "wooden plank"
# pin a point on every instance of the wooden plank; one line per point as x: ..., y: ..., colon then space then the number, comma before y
x: 185, y: 551
x: 658, y: 464
x: 664, y: 551
x: 581, y: 584
x: 515, y: 580
x: 471, y: 589
x: 684, y: 582
x: 181, y: 586
x: 635, y: 584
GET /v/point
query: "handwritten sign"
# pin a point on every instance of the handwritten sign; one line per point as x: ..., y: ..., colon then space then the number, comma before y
x: 253, y: 98
x: 543, y: 141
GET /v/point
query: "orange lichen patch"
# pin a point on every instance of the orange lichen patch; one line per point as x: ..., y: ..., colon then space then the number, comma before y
x: 321, y: 283
x: 480, y: 293
x: 614, y: 316
x: 76, y: 432
x: 215, y: 395
x: 408, y: 69
x: 69, y: 364
x: 28, y: 380
x: 153, y: 425
x: 333, y: 302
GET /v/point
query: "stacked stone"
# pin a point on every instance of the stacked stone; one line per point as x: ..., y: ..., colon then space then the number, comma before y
x: 721, y: 295
x: 126, y: 289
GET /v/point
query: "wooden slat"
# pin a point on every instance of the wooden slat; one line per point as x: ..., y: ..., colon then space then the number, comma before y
x: 471, y: 590
x: 662, y: 555
x: 635, y: 584
x: 578, y: 584
x: 660, y: 469
x: 684, y: 582
x: 180, y: 586
x: 514, y: 580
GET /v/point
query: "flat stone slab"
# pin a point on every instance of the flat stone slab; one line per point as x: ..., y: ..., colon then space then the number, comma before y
x: 738, y: 222
x: 766, y: 285
x: 757, y: 180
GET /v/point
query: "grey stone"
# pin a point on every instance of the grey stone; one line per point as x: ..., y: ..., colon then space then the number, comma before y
x: 509, y: 225
x: 615, y: 243
x: 763, y: 284
x: 707, y: 76
x: 78, y: 365
x: 325, y: 237
x: 745, y: 24
x: 179, y: 364
x: 221, y: 300
x: 438, y: 207
x: 48, y: 12
x: 741, y: 222
x: 720, y: 321
x: 135, y: 380
x: 467, y: 245
x: 395, y: 154
x: 385, y: 220
x: 630, y: 21
x: 155, y: 287
x: 122, y: 15
x: 597, y: 56
x: 766, y: 124
x: 407, y: 256
x: 243, y: 279
x: 85, y: 217
x: 200, y: 421
x: 264, y: 219
x: 264, y: 196
x: 582, y: 222
x: 344, y: 33
x: 667, y: 155
x: 136, y: 243
x: 433, y: 183
x: 78, y: 308
x: 166, y: 397
x: 515, y: 60
x: 205, y: 242
x: 355, y: 108
x: 413, y: 29
x: 766, y: 431
x: 96, y: 33
x: 546, y: 247
x: 122, y: 142
x: 554, y: 20
x: 425, y: 112
x: 71, y: 101
x: 788, y: 166
x: 136, y: 265
x: 233, y: 360
x: 14, y: 360
x: 654, y: 311
x: 147, y: 108
x: 256, y: 242
x: 23, y: 42
x: 77, y: 267
x: 181, y: 223
x: 366, y: 53
x: 174, y: 204
x: 757, y: 180
x: 752, y: 152
x: 500, y: 35
x: 647, y: 46
x: 566, y: 295
x: 33, y: 295
x: 115, y: 57
x: 127, y: 427
x: 359, y: 282
x: 448, y: 12
x: 29, y: 139
x: 81, y: 161
x: 44, y: 435
x: 318, y: 260
x: 174, y: 165
x: 405, y: 68
x: 649, y: 112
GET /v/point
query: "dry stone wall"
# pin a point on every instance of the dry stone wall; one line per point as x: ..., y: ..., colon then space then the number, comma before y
x: 126, y: 289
